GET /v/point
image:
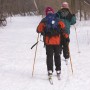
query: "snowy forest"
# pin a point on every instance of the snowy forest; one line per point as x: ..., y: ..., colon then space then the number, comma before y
x: 28, y: 7
x: 23, y: 68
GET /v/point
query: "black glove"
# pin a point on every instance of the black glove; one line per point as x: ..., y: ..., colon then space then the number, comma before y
x: 43, y: 33
x: 67, y: 40
x: 73, y: 14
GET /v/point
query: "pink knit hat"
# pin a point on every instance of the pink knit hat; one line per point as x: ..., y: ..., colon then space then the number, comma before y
x: 65, y: 5
x: 49, y: 10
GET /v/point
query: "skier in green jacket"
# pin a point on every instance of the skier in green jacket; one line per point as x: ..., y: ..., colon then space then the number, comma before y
x: 69, y: 19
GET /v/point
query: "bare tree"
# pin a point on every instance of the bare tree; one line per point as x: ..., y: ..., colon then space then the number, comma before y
x: 24, y: 7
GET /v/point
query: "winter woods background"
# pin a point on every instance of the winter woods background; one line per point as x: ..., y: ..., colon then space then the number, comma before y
x: 33, y: 7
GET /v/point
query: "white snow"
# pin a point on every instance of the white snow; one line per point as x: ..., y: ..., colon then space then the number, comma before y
x: 16, y: 57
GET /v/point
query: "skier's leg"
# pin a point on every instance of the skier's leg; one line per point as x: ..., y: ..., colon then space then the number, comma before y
x: 57, y: 57
x: 49, y: 61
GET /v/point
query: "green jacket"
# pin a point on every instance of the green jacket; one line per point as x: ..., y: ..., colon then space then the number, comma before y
x: 68, y: 18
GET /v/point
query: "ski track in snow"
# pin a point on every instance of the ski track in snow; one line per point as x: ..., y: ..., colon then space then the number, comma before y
x: 16, y: 58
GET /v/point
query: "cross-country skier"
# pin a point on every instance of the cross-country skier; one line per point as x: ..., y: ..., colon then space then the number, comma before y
x: 69, y: 19
x: 51, y: 27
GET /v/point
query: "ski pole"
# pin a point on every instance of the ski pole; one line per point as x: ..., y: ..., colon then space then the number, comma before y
x: 77, y: 40
x: 70, y: 59
x: 34, y: 45
x: 35, y: 56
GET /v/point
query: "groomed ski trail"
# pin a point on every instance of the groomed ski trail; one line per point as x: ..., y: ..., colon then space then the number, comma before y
x: 16, y: 60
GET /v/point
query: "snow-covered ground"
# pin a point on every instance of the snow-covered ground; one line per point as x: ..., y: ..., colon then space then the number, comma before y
x: 16, y: 58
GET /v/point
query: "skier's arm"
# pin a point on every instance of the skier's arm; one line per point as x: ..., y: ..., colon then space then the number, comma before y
x: 41, y: 27
x: 73, y: 19
x: 62, y: 26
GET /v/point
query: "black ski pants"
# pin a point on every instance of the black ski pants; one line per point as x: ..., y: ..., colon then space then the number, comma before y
x: 64, y: 48
x: 53, y: 51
